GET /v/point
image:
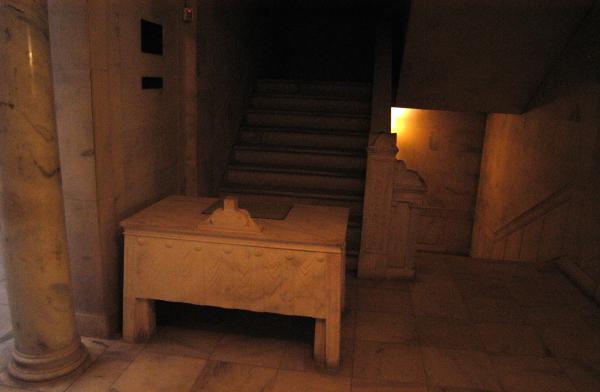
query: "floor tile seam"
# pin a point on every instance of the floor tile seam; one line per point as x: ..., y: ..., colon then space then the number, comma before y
x: 501, y: 375
x: 473, y: 299
x: 422, y: 359
x: 556, y: 361
x: 9, y: 335
x: 539, y: 337
x: 181, y: 355
x: 490, y: 352
x: 398, y: 290
x: 88, y: 367
x: 405, y: 342
x: 398, y: 312
x: 395, y: 382
x: 486, y: 352
x: 278, y: 369
x: 167, y: 355
x: 17, y: 389
x: 214, y: 349
x: 397, y: 343
x: 244, y: 363
x: 387, y: 312
x: 462, y: 297
x: 127, y: 367
x: 507, y: 322
x: 558, y: 357
x: 271, y: 381
x: 548, y: 348
x: 495, y: 298
x: 199, y: 376
x: 201, y: 355
x: 67, y: 377
x: 252, y: 365
x: 200, y: 372
x: 510, y: 323
x: 354, y: 340
x: 491, y: 371
x: 354, y: 326
x: 430, y: 317
x: 566, y: 373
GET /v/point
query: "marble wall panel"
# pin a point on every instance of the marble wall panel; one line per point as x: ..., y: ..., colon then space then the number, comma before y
x: 445, y: 149
x: 119, y: 143
x: 228, y: 58
x: 513, y: 245
x: 70, y: 48
x: 540, y: 168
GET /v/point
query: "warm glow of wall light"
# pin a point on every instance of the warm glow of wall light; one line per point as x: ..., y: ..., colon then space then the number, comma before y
x: 399, y: 117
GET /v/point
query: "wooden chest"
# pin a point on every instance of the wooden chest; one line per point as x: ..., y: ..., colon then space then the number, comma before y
x: 291, y: 266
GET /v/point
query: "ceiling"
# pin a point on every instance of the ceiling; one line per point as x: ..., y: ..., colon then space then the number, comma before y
x: 482, y: 55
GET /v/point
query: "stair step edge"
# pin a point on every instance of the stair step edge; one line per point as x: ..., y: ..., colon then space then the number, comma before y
x: 321, y: 82
x: 334, y: 132
x: 300, y: 149
x: 296, y: 170
x: 292, y: 192
x: 308, y: 113
x: 336, y: 98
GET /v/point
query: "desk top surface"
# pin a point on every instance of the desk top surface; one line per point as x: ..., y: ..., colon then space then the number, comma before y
x: 305, y: 224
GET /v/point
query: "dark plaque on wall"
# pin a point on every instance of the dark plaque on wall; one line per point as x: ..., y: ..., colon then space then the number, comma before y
x: 150, y: 82
x: 152, y: 38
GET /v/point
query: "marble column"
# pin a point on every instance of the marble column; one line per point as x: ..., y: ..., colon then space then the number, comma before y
x: 32, y: 228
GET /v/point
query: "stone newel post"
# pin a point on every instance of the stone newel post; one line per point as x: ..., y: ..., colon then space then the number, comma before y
x: 392, y: 192
x: 390, y: 214
x: 32, y: 228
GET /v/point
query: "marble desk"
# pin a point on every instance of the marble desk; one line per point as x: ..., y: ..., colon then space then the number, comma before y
x: 294, y: 266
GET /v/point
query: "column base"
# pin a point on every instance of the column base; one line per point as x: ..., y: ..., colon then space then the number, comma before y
x: 50, y: 366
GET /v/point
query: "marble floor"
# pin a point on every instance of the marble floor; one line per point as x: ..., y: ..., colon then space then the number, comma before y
x: 462, y: 325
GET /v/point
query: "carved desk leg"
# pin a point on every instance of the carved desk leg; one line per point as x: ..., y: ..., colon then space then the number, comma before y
x: 327, y: 331
x: 335, y: 267
x: 139, y: 317
x: 343, y: 275
x: 319, y: 348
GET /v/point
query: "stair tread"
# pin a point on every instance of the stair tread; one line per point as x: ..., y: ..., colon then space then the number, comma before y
x: 306, y: 111
x: 301, y: 149
x: 297, y: 170
x: 295, y: 192
x: 319, y: 97
x: 309, y: 113
x: 329, y: 82
x: 337, y: 132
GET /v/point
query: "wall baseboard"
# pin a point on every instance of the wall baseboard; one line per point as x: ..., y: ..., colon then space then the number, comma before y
x: 536, y: 235
x: 97, y: 325
x: 444, y: 230
x: 580, y: 278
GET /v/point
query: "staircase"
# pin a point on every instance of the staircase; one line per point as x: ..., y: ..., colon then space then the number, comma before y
x: 304, y: 142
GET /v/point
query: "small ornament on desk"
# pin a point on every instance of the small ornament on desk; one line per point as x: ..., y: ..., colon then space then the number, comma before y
x: 231, y: 218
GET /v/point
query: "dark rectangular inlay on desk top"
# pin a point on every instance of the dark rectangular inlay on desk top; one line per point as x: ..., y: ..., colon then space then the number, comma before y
x: 273, y: 211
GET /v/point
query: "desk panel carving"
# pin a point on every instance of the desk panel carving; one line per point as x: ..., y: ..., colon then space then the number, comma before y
x: 290, y: 267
